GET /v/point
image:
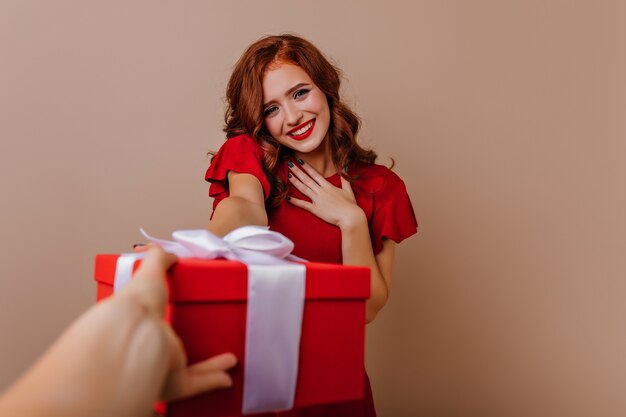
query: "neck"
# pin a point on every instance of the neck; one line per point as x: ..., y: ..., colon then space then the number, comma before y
x: 320, y: 159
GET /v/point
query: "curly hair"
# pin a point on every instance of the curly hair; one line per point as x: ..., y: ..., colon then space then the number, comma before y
x: 244, y: 98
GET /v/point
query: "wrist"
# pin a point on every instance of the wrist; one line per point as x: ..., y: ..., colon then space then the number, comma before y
x: 353, y: 220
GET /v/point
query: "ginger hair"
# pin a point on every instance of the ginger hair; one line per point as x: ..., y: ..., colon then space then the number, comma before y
x: 244, y: 99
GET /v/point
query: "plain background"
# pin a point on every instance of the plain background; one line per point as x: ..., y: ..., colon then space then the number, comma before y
x: 505, y: 119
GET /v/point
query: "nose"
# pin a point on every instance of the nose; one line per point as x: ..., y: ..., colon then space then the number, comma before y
x: 293, y: 115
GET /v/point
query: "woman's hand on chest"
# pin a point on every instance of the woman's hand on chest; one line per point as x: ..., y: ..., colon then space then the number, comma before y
x: 332, y: 204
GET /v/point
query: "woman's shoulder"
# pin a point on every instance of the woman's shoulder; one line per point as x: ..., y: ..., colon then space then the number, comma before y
x: 240, y: 149
x: 392, y: 212
x: 243, y: 141
x: 239, y: 154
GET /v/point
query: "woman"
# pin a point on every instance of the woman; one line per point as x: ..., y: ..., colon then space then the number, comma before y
x: 291, y: 161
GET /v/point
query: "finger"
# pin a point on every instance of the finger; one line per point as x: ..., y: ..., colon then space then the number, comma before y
x: 190, y: 384
x: 303, y: 177
x: 203, y: 376
x: 148, y: 286
x: 303, y: 188
x: 317, y: 177
x: 139, y: 247
x: 345, y: 184
x: 301, y: 203
x: 219, y: 362
x: 157, y: 257
x: 346, y: 187
x: 144, y: 247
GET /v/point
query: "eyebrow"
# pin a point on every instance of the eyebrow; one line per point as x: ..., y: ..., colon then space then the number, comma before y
x: 291, y: 90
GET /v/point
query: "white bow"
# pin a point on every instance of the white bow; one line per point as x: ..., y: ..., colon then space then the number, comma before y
x: 275, y: 305
x: 252, y: 245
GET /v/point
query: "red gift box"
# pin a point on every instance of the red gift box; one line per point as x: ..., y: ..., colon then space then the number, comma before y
x: 207, y: 309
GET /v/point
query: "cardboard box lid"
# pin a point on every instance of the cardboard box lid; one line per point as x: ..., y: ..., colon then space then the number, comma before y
x: 197, y: 280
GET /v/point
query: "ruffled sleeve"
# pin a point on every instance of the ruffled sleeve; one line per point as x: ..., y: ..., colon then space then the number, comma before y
x: 240, y: 154
x: 393, y: 217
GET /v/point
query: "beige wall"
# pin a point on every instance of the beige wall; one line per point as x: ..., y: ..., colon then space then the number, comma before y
x: 506, y: 120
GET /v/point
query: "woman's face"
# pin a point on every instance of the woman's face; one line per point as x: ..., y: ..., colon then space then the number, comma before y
x: 295, y: 110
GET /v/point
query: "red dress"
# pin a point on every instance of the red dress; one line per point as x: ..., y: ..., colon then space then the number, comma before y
x: 378, y: 191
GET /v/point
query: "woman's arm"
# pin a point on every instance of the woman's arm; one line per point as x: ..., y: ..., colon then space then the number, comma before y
x: 244, y: 205
x: 356, y: 249
x: 338, y: 206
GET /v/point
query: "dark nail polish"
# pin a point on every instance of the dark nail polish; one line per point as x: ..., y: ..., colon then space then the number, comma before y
x: 138, y: 244
x: 300, y: 161
x: 289, y: 174
x: 288, y: 198
x: 290, y: 164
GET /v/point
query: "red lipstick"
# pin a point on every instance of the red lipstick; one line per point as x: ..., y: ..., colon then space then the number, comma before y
x: 305, y: 134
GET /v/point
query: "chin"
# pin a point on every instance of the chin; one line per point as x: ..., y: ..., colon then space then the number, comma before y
x: 308, y: 146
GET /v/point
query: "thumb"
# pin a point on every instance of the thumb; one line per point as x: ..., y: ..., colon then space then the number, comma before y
x: 345, y: 185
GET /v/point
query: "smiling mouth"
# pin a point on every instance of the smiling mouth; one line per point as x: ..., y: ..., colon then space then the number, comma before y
x: 303, y: 131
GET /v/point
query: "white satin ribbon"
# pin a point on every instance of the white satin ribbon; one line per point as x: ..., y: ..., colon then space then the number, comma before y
x: 274, y: 321
x: 124, y: 269
x: 275, y: 304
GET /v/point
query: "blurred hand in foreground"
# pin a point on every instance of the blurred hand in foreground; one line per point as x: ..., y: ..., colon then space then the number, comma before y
x: 118, y: 358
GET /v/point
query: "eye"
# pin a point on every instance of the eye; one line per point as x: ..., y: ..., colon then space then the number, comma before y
x: 269, y: 111
x: 301, y: 93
